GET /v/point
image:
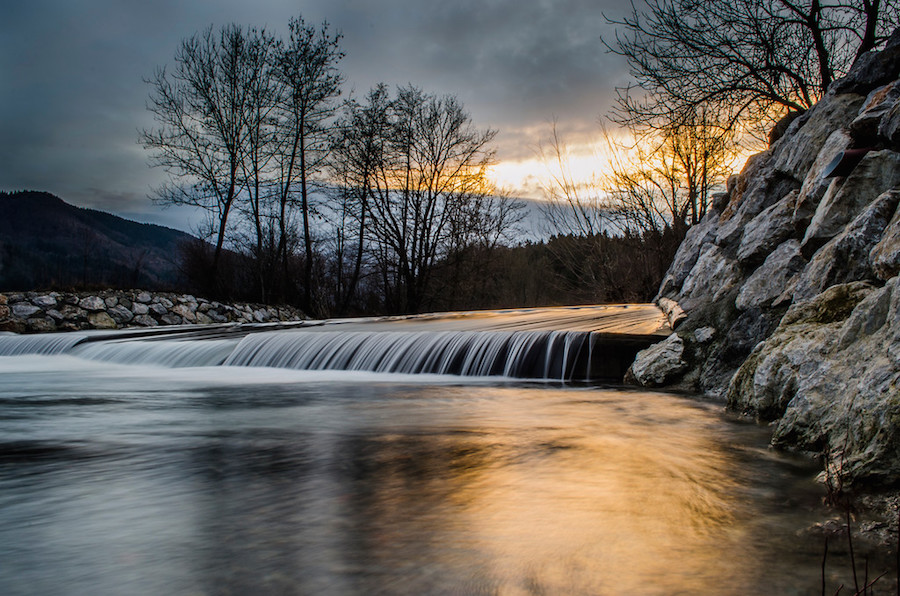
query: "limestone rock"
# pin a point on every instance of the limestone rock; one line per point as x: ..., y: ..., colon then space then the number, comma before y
x: 143, y: 297
x: 885, y: 256
x: 845, y: 258
x: 712, y: 276
x: 877, y: 172
x: 159, y: 309
x: 878, y: 103
x: 687, y: 254
x: 889, y: 127
x: 92, y: 303
x: 872, y: 69
x: 140, y: 308
x: 101, y: 320
x: 767, y: 230
x: 659, y: 363
x: 815, y: 185
x: 769, y: 281
x: 795, y: 154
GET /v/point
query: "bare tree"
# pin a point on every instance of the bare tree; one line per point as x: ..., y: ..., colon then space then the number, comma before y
x: 306, y: 66
x: 199, y: 107
x: 752, y: 59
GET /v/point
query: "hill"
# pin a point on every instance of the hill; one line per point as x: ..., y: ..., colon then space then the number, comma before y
x: 46, y: 242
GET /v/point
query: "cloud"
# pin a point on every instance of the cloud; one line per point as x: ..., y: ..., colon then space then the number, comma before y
x: 74, y: 96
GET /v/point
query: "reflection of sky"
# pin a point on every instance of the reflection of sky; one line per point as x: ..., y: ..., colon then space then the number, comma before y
x: 321, y: 487
x: 74, y: 98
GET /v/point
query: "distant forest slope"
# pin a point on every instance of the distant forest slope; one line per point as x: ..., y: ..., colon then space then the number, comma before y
x: 48, y: 243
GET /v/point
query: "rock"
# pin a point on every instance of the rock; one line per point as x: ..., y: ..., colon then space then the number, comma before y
x: 4, y: 312
x: 872, y: 69
x: 92, y: 303
x: 125, y: 302
x: 878, y: 103
x: 44, y: 301
x: 713, y: 275
x: 159, y: 309
x: 260, y: 316
x: 111, y: 301
x: 3, y: 300
x: 101, y: 320
x: 877, y: 172
x: 704, y: 334
x: 144, y: 297
x: 659, y: 363
x: 41, y: 325
x: 203, y: 319
x: 55, y: 315
x: 765, y: 189
x: 145, y: 320
x: 170, y: 319
x: 796, y: 154
x: 767, y: 230
x: 889, y: 127
x: 815, y: 185
x: 184, y: 311
x: 121, y: 314
x: 885, y: 256
x: 165, y: 302
x: 845, y: 258
x: 769, y: 281
x: 688, y: 252
x: 24, y: 310
x: 140, y: 308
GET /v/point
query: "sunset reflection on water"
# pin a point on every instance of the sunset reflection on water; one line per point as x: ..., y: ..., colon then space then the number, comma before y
x: 318, y: 486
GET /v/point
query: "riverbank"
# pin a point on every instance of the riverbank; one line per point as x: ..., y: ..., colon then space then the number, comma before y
x: 789, y: 286
x: 41, y: 312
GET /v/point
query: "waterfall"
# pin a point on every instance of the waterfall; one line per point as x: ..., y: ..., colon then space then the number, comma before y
x: 44, y: 345
x: 573, y: 343
x: 522, y: 354
x: 167, y: 353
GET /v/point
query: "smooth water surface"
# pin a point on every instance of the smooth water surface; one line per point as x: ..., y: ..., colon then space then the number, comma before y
x: 139, y: 480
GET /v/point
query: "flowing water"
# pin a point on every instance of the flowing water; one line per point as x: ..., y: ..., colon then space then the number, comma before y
x: 156, y: 465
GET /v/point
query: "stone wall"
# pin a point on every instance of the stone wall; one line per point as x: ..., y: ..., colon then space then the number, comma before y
x: 36, y: 312
x: 789, y: 285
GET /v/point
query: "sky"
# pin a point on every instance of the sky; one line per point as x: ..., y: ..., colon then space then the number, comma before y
x: 73, y: 97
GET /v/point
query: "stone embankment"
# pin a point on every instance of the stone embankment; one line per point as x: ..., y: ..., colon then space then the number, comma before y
x: 36, y: 312
x: 785, y: 299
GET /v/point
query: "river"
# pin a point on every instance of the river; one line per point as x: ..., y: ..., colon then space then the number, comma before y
x: 145, y: 479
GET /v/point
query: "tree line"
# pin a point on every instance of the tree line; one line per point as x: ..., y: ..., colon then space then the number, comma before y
x: 312, y: 200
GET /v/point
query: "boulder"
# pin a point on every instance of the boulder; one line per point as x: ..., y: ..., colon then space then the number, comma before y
x: 885, y: 256
x: 44, y: 301
x: 121, y: 314
x: 878, y: 103
x: 170, y: 319
x: 688, y: 252
x: 877, y: 172
x: 101, y: 320
x: 845, y: 258
x: 184, y: 311
x: 144, y: 321
x: 815, y: 184
x: 659, y: 363
x: 92, y: 303
x: 143, y: 297
x: 24, y: 310
x: 767, y: 230
x: 140, y: 308
x: 769, y: 281
x: 795, y: 154
x: 889, y: 127
x: 713, y: 275
x: 41, y: 325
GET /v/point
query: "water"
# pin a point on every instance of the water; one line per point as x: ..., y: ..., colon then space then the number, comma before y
x: 264, y: 460
x: 135, y: 479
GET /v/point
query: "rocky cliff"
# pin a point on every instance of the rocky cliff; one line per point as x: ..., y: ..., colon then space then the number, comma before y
x: 786, y: 298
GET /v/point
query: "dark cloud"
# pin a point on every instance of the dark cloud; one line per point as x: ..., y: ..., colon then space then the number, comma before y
x: 74, y: 98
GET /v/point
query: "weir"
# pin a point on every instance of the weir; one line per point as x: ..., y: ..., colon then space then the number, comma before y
x: 563, y: 343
